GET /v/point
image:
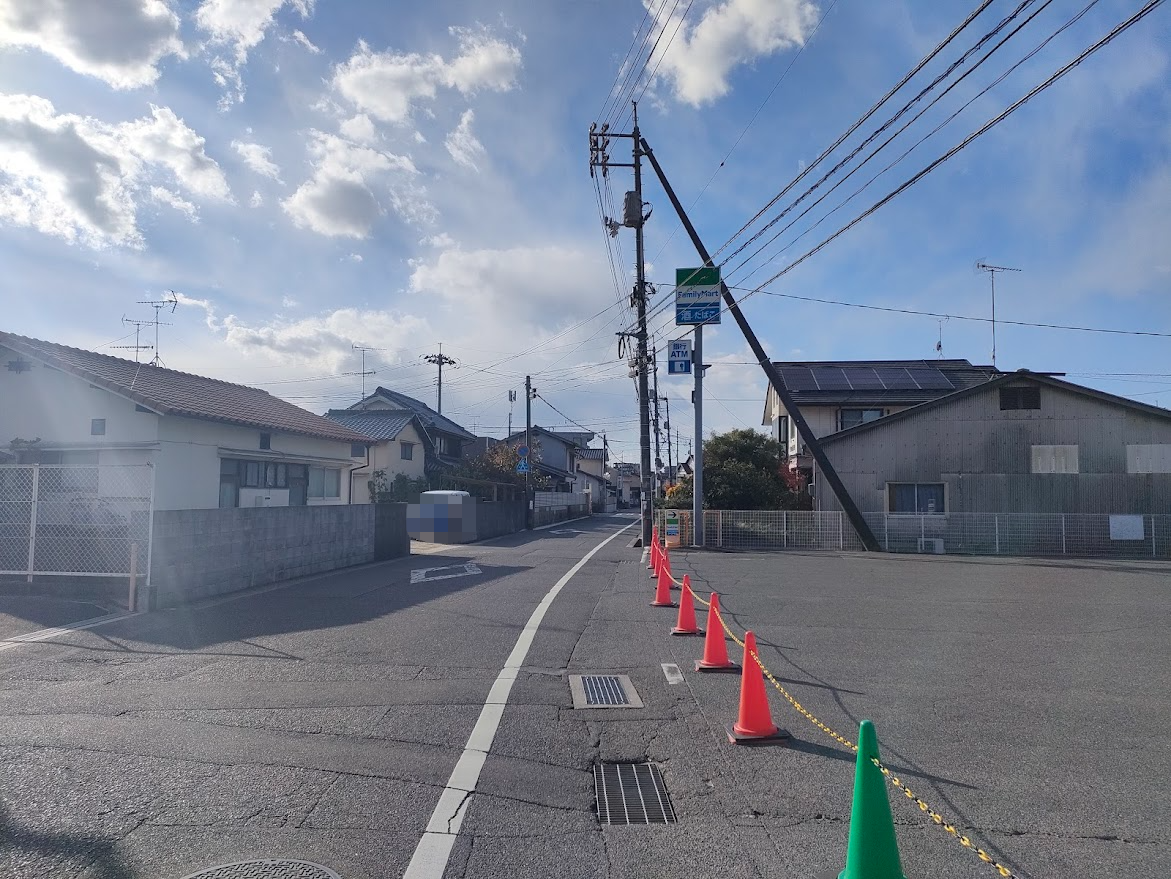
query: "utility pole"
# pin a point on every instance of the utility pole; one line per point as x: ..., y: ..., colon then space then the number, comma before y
x: 441, y: 361
x: 158, y: 305
x: 529, y: 392
x: 667, y: 431
x: 633, y: 217
x: 364, y: 373
x: 655, y: 417
x: 511, y: 400
x: 828, y: 472
x: 982, y: 266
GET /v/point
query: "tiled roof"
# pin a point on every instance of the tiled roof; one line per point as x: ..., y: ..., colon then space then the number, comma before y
x: 171, y: 392
x: 383, y: 424
x: 591, y: 454
x: 430, y: 418
x: 959, y: 375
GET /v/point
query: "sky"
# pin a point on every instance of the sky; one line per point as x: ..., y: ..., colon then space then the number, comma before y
x: 310, y: 177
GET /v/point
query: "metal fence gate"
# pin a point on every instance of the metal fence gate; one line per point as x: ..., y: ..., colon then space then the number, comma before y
x: 76, y: 521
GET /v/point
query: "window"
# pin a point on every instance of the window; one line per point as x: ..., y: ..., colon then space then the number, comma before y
x: 848, y: 418
x: 325, y: 482
x: 915, y: 497
x: 97, y: 427
x: 229, y: 483
x: 276, y: 475
x: 408, y: 451
x: 1054, y: 459
x: 357, y: 450
x: 1025, y: 397
x: 1148, y: 458
x: 250, y: 474
x: 266, y: 440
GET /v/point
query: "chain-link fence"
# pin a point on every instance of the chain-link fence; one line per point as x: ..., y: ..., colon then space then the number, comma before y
x: 75, y: 521
x: 1008, y: 534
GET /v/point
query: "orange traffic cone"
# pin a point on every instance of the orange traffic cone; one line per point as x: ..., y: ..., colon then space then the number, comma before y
x: 685, y: 625
x: 654, y: 548
x: 715, y: 646
x: 663, y: 589
x: 656, y: 560
x: 665, y: 563
x: 755, y: 722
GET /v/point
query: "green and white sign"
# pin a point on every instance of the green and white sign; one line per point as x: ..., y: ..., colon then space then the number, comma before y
x: 672, y: 523
x: 697, y: 296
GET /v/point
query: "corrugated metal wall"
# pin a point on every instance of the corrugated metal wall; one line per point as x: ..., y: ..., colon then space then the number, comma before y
x: 983, y: 455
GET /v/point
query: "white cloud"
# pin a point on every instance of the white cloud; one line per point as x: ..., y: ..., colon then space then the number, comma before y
x: 441, y: 240
x: 258, y: 158
x: 299, y: 37
x: 341, y: 199
x: 733, y: 32
x: 289, y: 302
x: 354, y: 257
x: 389, y: 85
x: 463, y: 145
x: 239, y: 26
x: 174, y: 200
x: 359, y: 129
x: 77, y: 178
x: 256, y: 201
x: 118, y: 41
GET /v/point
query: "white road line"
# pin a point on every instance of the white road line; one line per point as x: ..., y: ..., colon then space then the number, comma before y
x: 419, y: 575
x: 46, y: 634
x: 431, y: 855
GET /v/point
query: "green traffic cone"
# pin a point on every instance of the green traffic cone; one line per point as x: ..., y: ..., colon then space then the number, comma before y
x: 872, y: 852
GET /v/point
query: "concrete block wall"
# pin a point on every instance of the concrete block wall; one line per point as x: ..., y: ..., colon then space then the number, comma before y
x: 496, y: 518
x: 201, y: 553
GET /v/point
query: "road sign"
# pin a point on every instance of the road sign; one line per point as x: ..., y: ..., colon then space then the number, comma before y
x: 679, y: 357
x: 697, y: 296
x: 671, y: 531
x: 522, y: 466
x: 523, y: 451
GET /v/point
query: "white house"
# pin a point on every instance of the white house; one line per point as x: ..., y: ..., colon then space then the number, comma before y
x: 213, y: 443
x: 402, y: 445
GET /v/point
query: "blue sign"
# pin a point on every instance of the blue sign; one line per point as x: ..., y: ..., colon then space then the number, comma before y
x: 697, y: 314
x: 679, y: 357
x: 522, y: 466
x: 523, y: 451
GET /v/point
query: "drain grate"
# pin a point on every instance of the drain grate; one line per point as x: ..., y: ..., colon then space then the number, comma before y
x: 278, y: 868
x: 603, y: 691
x: 632, y: 793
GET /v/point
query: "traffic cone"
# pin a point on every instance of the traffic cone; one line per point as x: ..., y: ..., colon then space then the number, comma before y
x: 873, y: 852
x: 663, y: 589
x: 656, y: 559
x: 654, y: 548
x: 685, y: 625
x: 755, y: 722
x: 665, y: 563
x: 715, y: 646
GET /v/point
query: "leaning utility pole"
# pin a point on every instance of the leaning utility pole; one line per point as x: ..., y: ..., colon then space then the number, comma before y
x: 441, y: 361
x: 655, y: 417
x: 633, y: 218
x: 529, y: 445
x: 733, y: 307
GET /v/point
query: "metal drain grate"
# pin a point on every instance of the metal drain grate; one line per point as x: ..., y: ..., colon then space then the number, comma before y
x: 632, y: 793
x: 273, y: 868
x: 603, y: 691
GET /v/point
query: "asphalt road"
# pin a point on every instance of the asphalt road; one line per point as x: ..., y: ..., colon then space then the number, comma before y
x: 322, y: 720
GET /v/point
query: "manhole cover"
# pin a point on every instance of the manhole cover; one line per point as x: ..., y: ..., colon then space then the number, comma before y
x: 603, y: 691
x: 631, y: 793
x: 276, y: 868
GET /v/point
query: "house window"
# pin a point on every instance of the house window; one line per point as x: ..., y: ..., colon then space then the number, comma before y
x: 276, y: 475
x: 1025, y: 397
x: 915, y: 497
x: 408, y: 451
x: 1054, y: 459
x: 325, y: 482
x: 783, y: 433
x: 848, y: 418
x: 97, y: 427
x: 250, y: 472
x: 357, y: 450
x: 266, y: 440
x: 1148, y: 458
x: 229, y: 483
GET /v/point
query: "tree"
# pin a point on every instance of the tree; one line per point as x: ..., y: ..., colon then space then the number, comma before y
x: 499, y: 463
x: 742, y: 470
x: 401, y: 489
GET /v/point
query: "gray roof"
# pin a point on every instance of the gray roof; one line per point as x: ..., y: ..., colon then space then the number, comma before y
x: 590, y: 454
x: 382, y: 424
x: 878, y: 382
x: 431, y: 419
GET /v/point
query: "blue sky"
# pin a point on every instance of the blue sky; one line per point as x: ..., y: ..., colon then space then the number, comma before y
x: 312, y: 176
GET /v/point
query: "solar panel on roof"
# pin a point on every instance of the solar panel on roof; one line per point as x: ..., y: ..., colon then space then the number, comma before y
x: 863, y: 378
x: 896, y: 378
x: 798, y: 378
x: 830, y: 378
x: 930, y: 379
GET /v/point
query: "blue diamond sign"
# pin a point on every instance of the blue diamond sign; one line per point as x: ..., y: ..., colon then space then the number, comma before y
x: 522, y: 466
x: 697, y: 296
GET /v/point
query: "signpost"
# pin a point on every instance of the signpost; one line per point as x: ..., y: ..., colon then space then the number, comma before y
x: 672, y: 528
x: 679, y: 357
x: 698, y: 302
x: 522, y: 466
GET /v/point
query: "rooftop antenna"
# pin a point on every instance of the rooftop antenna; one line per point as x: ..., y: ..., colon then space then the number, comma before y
x: 136, y: 347
x: 364, y: 373
x: 158, y: 305
x: 982, y: 266
x: 939, y: 344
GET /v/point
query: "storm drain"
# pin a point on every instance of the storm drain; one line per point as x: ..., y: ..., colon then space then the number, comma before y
x: 603, y: 691
x: 631, y: 793
x: 280, y: 868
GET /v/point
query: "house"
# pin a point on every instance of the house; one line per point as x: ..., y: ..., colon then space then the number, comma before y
x: 447, y: 438
x: 591, y: 472
x: 836, y: 395
x: 212, y: 443
x: 478, y: 446
x: 1021, y: 443
x: 402, y: 445
x: 627, y: 482
x: 557, y: 457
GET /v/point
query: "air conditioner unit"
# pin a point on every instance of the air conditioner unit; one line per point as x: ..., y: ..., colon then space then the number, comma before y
x: 931, y: 545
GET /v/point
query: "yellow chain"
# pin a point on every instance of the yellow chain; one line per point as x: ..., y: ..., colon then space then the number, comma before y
x: 894, y: 780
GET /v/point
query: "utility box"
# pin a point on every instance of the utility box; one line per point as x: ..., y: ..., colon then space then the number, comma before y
x: 443, y: 517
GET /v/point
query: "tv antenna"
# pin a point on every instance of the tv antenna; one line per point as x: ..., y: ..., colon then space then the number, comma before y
x: 939, y: 344
x: 364, y: 373
x: 982, y: 266
x: 158, y: 305
x: 136, y: 347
